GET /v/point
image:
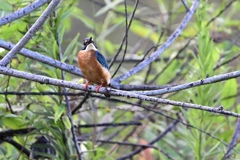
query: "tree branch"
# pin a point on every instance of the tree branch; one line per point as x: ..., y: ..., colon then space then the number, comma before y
x: 112, y: 92
x: 156, y: 54
x: 41, y: 93
x: 185, y: 5
x: 110, y: 124
x: 22, y: 12
x: 29, y: 33
x: 11, y: 133
x: 144, y: 146
x: 125, y: 38
x: 226, y: 62
x: 18, y: 146
x: 205, y: 81
x: 170, y: 127
x: 69, y: 112
x: 44, y: 59
x: 234, y: 141
x: 224, y: 9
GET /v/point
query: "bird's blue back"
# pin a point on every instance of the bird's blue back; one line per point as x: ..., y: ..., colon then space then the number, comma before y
x: 101, y: 59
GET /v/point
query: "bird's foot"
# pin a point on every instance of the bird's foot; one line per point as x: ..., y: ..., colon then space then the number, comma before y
x: 86, y: 85
x: 98, y: 87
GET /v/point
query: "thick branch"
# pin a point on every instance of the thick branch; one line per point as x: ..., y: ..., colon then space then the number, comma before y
x: 52, y: 81
x: 22, y: 12
x: 11, y: 133
x: 18, y: 146
x: 44, y: 59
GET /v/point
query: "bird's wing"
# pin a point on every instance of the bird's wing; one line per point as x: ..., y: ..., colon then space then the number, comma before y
x: 101, y: 59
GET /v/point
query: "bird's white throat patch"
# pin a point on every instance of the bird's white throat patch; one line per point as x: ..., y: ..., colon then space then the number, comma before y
x: 91, y: 47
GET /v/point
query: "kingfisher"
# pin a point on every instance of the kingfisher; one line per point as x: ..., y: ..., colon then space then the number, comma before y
x: 93, y: 65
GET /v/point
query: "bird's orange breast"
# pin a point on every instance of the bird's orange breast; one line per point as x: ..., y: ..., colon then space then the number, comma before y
x: 92, y: 70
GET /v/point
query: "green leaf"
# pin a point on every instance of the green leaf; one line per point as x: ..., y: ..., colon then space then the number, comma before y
x: 110, y: 30
x: 12, y: 121
x: 229, y: 89
x: 5, y: 8
x: 70, y: 51
x: 82, y: 17
x: 108, y: 7
x: 59, y: 110
x: 145, y: 32
x: 67, y: 122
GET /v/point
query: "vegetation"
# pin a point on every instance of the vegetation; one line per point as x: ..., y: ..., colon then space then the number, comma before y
x: 45, y: 111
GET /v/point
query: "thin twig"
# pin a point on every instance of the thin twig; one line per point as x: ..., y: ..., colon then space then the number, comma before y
x: 86, y: 96
x: 226, y: 62
x: 155, y: 111
x: 185, y: 124
x: 150, y: 66
x: 130, y: 144
x: 69, y: 111
x: 139, y: 60
x: 6, y: 97
x: 224, y: 9
x: 234, y: 141
x: 124, y: 143
x: 163, y: 47
x: 35, y: 27
x: 185, y: 5
x: 124, y: 37
x: 110, y: 124
x: 170, y: 127
x: 170, y: 61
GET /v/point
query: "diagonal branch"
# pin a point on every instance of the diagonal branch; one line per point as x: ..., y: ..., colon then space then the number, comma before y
x: 18, y: 146
x: 185, y: 5
x: 56, y: 82
x: 144, y: 146
x: 235, y: 140
x: 156, y: 54
x: 22, y: 12
x: 160, y: 136
x: 29, y: 33
x: 224, y: 9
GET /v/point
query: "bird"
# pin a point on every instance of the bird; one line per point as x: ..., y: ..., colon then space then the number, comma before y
x: 93, y: 65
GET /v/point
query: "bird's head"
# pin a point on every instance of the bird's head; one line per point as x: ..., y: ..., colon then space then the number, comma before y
x: 89, y: 44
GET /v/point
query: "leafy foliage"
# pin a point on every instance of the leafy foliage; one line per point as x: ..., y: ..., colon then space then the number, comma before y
x: 199, y: 135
